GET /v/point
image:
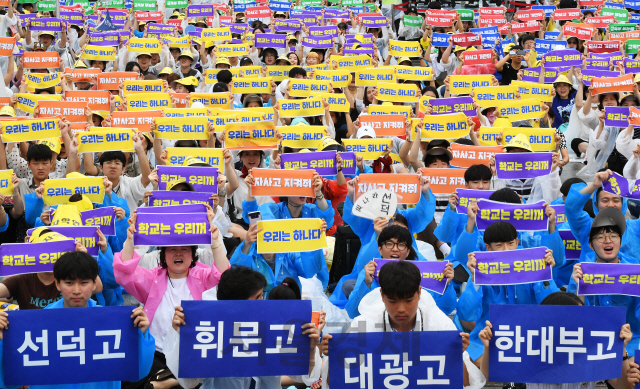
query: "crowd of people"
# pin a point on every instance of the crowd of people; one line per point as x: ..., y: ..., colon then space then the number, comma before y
x: 182, y: 63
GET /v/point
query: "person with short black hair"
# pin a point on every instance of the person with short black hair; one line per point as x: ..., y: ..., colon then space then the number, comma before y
x: 512, y: 63
x: 297, y: 72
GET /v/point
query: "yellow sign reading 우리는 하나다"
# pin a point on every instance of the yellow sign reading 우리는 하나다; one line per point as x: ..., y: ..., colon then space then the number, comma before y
x: 251, y: 85
x: 338, y: 78
x: 451, y: 126
x: 6, y: 182
x: 148, y: 101
x: 98, y: 53
x: 521, y: 109
x: 196, y: 128
x: 372, y: 76
x: 490, y: 96
x: 404, y: 48
x: 541, y: 139
x: 459, y: 85
x: 111, y: 139
x: 176, y: 156
x: 290, y: 236
x: 302, y: 137
x: 144, y: 45
x: 534, y: 90
x: 368, y: 148
x: 250, y: 136
x: 27, y: 101
x: 30, y: 130
x: 404, y: 93
x: 57, y: 191
x: 43, y: 80
x: 300, y: 108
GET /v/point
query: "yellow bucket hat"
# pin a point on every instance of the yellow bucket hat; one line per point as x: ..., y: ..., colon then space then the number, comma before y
x: 38, y: 237
x: 53, y: 143
x: 519, y: 141
x: 68, y: 215
x: 326, y: 142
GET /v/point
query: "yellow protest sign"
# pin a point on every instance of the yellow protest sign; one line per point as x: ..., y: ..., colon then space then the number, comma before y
x: 220, y: 122
x: 452, y: 126
x: 352, y: 64
x: 307, y: 107
x: 185, y: 112
x: 29, y: 130
x: 372, y: 76
x: 210, y: 75
x: 250, y: 136
x: 464, y: 84
x: 57, y: 191
x: 521, y: 109
x: 6, y: 182
x: 337, y: 101
x: 144, y: 45
x: 541, y: 139
x: 278, y: 73
x: 113, y: 139
x: 244, y: 116
x: 143, y: 86
x: 43, y: 80
x: 424, y: 103
x: 148, y: 101
x: 178, y: 128
x: 368, y: 148
x: 490, y: 96
x: 267, y: 111
x: 534, y: 90
x: 180, y: 43
x: 338, y: 78
x: 404, y: 110
x: 404, y: 48
x: 305, y: 88
x: 290, y: 236
x: 251, y: 85
x: 232, y: 50
x: 216, y: 34
x: 302, y: 137
x: 405, y: 93
x: 27, y: 101
x: 99, y: 53
x: 222, y: 99
x: 414, y: 73
x: 177, y: 155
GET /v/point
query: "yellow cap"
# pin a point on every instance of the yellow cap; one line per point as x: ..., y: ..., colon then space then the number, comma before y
x: 75, y: 175
x: 283, y: 58
x: 387, y: 103
x: 7, y: 111
x: 191, y: 80
x: 186, y: 53
x: 166, y: 70
x: 562, y: 78
x: 37, y: 237
x: 139, y: 54
x: 67, y: 215
x: 304, y: 151
x: 637, y: 78
x: 471, y: 48
x: 41, y: 33
x: 502, y: 122
x: 172, y: 184
x: 403, y: 59
x: 326, y: 142
x: 80, y: 64
x: 519, y: 141
x: 190, y: 161
x: 223, y: 60
x: 53, y: 143
x: 459, y: 48
x: 147, y: 135
x: 209, y: 44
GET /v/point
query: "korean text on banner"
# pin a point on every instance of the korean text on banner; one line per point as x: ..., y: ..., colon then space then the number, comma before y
x: 203, y: 179
x: 148, y: 101
x: 172, y: 230
x: 523, y: 165
x: 290, y: 236
x: 299, y: 108
x: 179, y: 128
x: 467, y: 196
x: 104, y: 217
x: 405, y: 186
x: 278, y: 182
x: 109, y: 140
x: 370, y: 149
x: 384, y: 125
x: 466, y: 155
x: 301, y: 137
x: 607, y: 85
x: 176, y: 156
x: 451, y: 126
x: 541, y: 139
x: 141, y: 120
x: 85, y: 235
x: 40, y: 60
x: 445, y: 181
x: 432, y: 273
x: 323, y: 162
x: 250, y: 136
x: 529, y: 217
x: 144, y: 45
x: 405, y: 93
x: 465, y: 84
x: 609, y: 278
x: 521, y: 109
x: 30, y: 130
x: 19, y: 258
x: 6, y: 182
x: 58, y: 191
x: 278, y: 345
x: 161, y: 198
x: 511, y: 267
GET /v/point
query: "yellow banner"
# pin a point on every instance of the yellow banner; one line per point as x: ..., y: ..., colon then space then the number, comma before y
x: 148, y: 101
x: 99, y: 53
x: 372, y: 76
x: 337, y: 101
x: 43, y: 80
x: 220, y: 122
x: 176, y: 128
x: 250, y: 136
x: 541, y: 139
x: 424, y: 102
x: 180, y: 43
x: 404, y: 110
x: 451, y: 126
x: 533, y: 90
x: 369, y: 148
x: 177, y: 155
x: 58, y: 191
x: 338, y: 78
x: 251, y: 85
x: 210, y: 76
x: 6, y: 182
x: 267, y: 111
x: 144, y: 45
x: 216, y: 34
x: 222, y: 99
x: 231, y: 50
x: 491, y: 95
x: 404, y: 48
x: 151, y: 86
x: 465, y: 84
x: 302, y: 137
x: 290, y: 236
x: 305, y: 88
x: 352, y: 64
x: 405, y: 93
x: 414, y: 73
x: 314, y: 68
x: 300, y: 108
x: 111, y: 140
x: 185, y: 112
x: 245, y: 116
x: 27, y: 101
x: 278, y: 73
x: 29, y: 130
x: 521, y: 109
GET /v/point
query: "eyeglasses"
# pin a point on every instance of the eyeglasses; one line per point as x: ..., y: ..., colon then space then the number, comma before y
x: 601, y: 238
x: 391, y: 244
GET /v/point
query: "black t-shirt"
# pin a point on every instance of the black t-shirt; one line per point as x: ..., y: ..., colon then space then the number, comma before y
x: 30, y: 292
x: 509, y: 73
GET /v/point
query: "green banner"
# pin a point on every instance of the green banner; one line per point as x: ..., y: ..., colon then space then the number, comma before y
x: 177, y: 3
x: 46, y: 6
x: 352, y: 3
x: 412, y: 21
x: 621, y: 15
x: 621, y: 27
x: 145, y: 5
x: 465, y: 14
x: 371, y: 7
x: 311, y: 3
x: 111, y: 3
x: 632, y: 45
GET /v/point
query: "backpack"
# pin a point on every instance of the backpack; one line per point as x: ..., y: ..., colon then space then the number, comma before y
x: 346, y: 251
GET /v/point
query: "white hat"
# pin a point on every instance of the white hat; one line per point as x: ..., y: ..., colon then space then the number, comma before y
x: 365, y: 131
x: 197, y: 104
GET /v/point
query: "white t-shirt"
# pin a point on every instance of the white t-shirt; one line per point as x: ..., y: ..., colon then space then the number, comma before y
x: 173, y: 296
